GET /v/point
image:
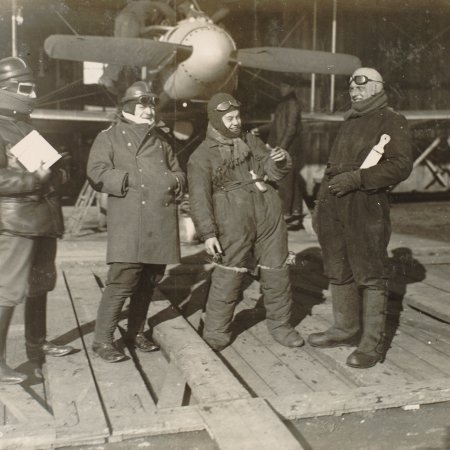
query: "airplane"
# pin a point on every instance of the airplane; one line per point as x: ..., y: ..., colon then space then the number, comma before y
x: 190, y: 59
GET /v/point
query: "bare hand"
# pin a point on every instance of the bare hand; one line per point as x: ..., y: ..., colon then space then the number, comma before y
x: 278, y: 154
x: 212, y: 246
x: 13, y: 162
x: 255, y: 131
x: 43, y: 174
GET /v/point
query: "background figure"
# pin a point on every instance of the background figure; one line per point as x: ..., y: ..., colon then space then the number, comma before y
x: 133, y: 162
x: 240, y: 220
x: 30, y: 221
x: 353, y: 223
x: 285, y: 131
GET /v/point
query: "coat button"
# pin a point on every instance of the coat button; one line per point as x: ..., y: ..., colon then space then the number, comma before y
x: 165, y: 173
x: 139, y: 170
x: 167, y: 204
x: 169, y: 188
x: 143, y: 202
x: 162, y: 161
x: 142, y: 185
x: 129, y: 144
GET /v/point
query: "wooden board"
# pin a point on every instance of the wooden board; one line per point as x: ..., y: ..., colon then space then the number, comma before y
x: 246, y: 424
x: 126, y: 400
x: 77, y: 408
x: 365, y: 398
x: 429, y: 299
x: 206, y: 376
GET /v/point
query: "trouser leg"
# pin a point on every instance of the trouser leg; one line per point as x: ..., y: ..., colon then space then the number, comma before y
x: 224, y: 293
x: 276, y: 290
x: 370, y: 349
x: 122, y: 281
x: 36, y: 331
x: 346, y: 307
x: 7, y: 375
x: 140, y: 300
x: 139, y: 304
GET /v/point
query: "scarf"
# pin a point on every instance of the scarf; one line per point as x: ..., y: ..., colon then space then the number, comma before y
x: 138, y: 120
x: 233, y: 151
x: 364, y: 107
x: 16, y: 103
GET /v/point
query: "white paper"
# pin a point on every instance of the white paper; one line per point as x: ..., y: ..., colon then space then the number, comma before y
x: 33, y: 152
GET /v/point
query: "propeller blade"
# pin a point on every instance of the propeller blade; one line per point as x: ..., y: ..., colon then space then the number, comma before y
x: 113, y: 50
x: 278, y: 59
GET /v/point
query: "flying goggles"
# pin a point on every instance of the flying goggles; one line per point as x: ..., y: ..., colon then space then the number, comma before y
x: 23, y: 87
x: 227, y: 104
x: 360, y: 80
x: 148, y: 100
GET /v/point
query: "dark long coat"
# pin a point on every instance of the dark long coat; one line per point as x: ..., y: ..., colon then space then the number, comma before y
x: 138, y: 169
x: 354, y: 230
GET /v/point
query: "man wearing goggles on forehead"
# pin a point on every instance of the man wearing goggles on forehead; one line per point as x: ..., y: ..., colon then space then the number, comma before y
x: 239, y: 217
x: 30, y: 223
x: 133, y: 162
x: 352, y: 219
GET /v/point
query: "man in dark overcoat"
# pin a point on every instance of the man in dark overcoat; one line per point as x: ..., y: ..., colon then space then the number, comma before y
x: 30, y: 223
x: 352, y: 219
x: 239, y: 217
x: 133, y: 162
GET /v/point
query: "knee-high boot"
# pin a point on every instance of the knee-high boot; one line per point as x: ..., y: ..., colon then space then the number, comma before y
x: 7, y: 375
x: 371, y: 348
x: 344, y: 331
x: 36, y: 331
x: 223, y: 295
x: 137, y: 315
x: 277, y: 296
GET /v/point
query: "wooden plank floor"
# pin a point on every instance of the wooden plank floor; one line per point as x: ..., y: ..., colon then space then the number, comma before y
x: 254, y: 381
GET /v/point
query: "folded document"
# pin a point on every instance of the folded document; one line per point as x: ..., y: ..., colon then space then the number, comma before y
x: 33, y: 152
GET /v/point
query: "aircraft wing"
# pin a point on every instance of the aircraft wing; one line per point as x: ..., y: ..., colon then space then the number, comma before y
x: 113, y: 50
x: 278, y: 59
x: 411, y: 115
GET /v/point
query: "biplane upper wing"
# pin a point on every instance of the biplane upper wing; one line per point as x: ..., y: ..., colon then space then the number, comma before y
x: 279, y: 59
x: 113, y: 50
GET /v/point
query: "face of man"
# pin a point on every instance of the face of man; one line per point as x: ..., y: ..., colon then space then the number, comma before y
x: 145, y: 112
x: 364, y: 83
x: 232, y: 121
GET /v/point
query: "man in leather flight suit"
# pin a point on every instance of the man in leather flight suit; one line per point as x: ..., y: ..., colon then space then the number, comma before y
x: 30, y: 222
x: 239, y: 217
x: 352, y: 219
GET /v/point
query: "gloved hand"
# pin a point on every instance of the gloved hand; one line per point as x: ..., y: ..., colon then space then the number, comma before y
x: 344, y: 183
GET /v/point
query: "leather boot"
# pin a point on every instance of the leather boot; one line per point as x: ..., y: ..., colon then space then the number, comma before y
x: 36, y: 345
x: 7, y: 375
x: 108, y: 315
x: 370, y: 349
x: 137, y: 315
x: 345, y: 330
x: 276, y: 290
x: 224, y: 293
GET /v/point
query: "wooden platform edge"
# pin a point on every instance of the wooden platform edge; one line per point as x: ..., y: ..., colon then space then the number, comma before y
x: 207, y: 376
x: 370, y: 398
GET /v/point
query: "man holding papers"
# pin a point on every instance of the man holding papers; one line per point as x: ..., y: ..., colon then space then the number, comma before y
x: 30, y: 222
